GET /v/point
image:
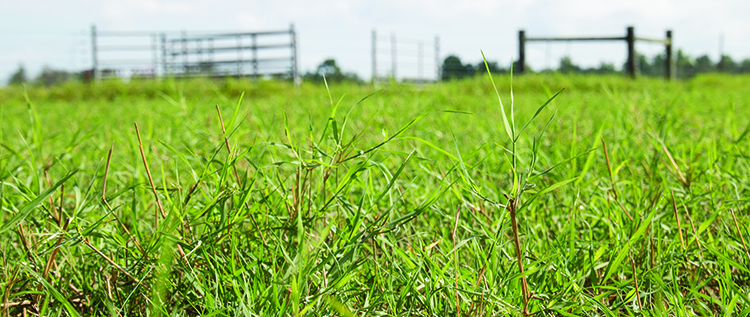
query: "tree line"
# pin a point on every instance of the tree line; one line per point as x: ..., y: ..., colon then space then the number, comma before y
x: 454, y: 68
x: 687, y: 67
x: 51, y: 77
x: 48, y: 77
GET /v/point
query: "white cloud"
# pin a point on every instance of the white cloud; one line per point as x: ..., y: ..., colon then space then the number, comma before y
x: 342, y: 29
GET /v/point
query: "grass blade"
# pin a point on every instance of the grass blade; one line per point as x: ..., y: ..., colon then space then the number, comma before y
x: 26, y: 209
x: 500, y: 100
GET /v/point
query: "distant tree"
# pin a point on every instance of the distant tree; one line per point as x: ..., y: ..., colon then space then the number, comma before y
x: 454, y: 69
x: 18, y: 77
x: 658, y: 65
x: 527, y: 68
x: 493, y: 67
x: 644, y: 65
x: 604, y: 69
x: 332, y: 73
x: 329, y: 68
x: 727, y: 65
x: 567, y: 66
x: 51, y: 77
x: 207, y: 68
x: 685, y: 65
x: 744, y: 67
x: 704, y: 64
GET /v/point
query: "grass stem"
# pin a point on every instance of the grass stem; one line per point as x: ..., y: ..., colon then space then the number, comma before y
x: 739, y: 233
x: 150, y: 180
x: 237, y: 176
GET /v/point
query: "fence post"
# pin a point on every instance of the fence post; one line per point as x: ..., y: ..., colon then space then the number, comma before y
x: 154, y: 54
x: 185, y: 68
x: 254, y: 37
x: 393, y: 55
x: 374, y: 57
x: 632, y: 64
x: 669, y: 65
x: 164, y: 55
x: 172, y: 64
x: 295, y: 69
x: 199, y: 52
x: 93, y: 53
x: 240, y: 59
x: 521, y: 51
x: 211, y: 56
x: 437, y: 58
x: 420, y: 59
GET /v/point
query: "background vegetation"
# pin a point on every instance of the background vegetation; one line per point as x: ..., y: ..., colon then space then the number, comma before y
x: 687, y: 67
x: 452, y: 68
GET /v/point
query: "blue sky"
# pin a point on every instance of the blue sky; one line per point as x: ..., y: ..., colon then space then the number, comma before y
x: 56, y: 33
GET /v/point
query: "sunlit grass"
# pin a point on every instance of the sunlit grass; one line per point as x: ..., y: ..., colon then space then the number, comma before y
x: 362, y: 202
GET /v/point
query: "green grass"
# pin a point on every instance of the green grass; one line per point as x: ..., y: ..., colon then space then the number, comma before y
x: 368, y: 203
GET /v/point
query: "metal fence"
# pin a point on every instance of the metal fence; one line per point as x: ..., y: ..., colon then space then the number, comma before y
x: 405, y: 59
x: 182, y: 54
x: 631, y: 65
x: 125, y: 54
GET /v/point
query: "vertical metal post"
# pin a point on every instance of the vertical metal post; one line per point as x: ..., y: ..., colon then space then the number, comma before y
x: 419, y: 61
x: 669, y: 69
x: 437, y: 58
x: 154, y: 54
x: 295, y: 70
x: 393, y: 55
x: 632, y: 64
x: 239, y: 55
x: 211, y: 55
x: 211, y: 50
x: 521, y: 51
x: 374, y: 57
x: 185, y: 68
x: 720, y: 64
x: 95, y: 62
x: 165, y: 70
x: 199, y: 51
x: 172, y: 57
x: 255, y: 55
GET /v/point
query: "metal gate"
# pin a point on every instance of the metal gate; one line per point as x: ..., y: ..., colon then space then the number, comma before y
x: 267, y: 54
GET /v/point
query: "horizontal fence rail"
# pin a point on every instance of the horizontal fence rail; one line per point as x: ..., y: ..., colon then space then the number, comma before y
x: 124, y: 54
x: 129, y: 54
x: 629, y: 38
x: 405, y: 53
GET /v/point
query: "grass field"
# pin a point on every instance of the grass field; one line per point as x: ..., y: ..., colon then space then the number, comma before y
x: 623, y: 198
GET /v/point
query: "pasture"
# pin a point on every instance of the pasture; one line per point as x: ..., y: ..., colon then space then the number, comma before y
x: 624, y: 197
